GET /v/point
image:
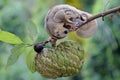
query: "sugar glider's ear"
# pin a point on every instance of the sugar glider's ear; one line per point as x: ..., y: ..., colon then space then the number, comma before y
x: 88, y: 29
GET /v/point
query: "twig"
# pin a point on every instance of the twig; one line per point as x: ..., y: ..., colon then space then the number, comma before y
x: 100, y: 15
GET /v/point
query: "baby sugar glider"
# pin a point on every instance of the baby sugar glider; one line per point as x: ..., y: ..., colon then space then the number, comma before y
x: 62, y: 19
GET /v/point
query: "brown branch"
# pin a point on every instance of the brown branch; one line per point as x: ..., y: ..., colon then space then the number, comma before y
x: 101, y: 15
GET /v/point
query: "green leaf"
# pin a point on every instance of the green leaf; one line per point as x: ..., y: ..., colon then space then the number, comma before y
x: 10, y: 38
x: 16, y: 52
x: 31, y: 31
x: 30, y: 61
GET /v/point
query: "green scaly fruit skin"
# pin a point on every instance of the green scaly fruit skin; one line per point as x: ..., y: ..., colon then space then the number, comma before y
x: 64, y: 60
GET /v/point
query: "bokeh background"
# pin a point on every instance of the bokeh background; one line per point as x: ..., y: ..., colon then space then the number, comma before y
x: 103, y: 49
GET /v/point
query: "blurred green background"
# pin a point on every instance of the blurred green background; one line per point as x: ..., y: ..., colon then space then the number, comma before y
x: 103, y: 49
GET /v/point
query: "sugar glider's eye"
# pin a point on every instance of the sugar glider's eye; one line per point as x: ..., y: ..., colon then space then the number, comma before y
x: 66, y: 32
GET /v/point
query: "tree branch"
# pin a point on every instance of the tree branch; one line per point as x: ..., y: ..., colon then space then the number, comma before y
x: 100, y: 15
